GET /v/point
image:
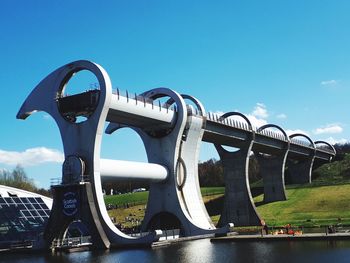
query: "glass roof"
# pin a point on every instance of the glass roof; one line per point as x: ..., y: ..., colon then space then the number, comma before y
x: 22, y: 218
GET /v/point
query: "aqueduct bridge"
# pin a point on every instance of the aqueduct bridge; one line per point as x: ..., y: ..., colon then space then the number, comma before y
x: 172, y: 127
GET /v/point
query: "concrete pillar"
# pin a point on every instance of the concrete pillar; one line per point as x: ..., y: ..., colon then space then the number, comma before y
x: 299, y: 172
x: 73, y: 203
x: 271, y: 169
x: 239, y: 206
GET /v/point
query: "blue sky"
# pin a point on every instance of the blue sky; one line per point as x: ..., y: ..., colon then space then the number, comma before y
x: 281, y: 62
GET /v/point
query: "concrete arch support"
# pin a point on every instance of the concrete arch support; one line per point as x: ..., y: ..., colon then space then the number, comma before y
x: 239, y: 206
x: 328, y: 146
x: 272, y: 169
x: 300, y: 170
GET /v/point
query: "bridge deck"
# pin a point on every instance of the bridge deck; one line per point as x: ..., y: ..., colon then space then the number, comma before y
x: 146, y: 114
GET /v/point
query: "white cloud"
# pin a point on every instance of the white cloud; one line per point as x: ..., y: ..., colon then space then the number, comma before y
x: 258, y: 117
x: 290, y: 132
x: 31, y: 157
x: 329, y: 129
x: 256, y: 122
x: 329, y: 83
x: 281, y: 116
x: 260, y: 111
x: 333, y: 141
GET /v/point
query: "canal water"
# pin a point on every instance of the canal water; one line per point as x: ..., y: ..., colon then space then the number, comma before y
x: 204, y: 251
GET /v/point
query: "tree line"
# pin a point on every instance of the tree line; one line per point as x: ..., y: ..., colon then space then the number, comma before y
x: 18, y: 178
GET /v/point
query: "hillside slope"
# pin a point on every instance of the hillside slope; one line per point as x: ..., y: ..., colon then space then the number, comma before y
x: 337, y: 172
x: 309, y: 206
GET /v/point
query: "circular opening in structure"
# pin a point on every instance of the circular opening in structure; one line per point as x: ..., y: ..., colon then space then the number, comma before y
x: 167, y: 107
x: 76, y: 235
x: 273, y: 132
x: 180, y: 173
x: 234, y: 120
x: 301, y: 140
x: 79, y: 96
x: 230, y: 148
x: 192, y: 107
x: 165, y: 102
x: 167, y: 222
x: 77, y: 229
x: 125, y: 197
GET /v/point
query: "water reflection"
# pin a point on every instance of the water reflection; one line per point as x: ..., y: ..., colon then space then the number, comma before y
x: 205, y: 251
x: 191, y: 251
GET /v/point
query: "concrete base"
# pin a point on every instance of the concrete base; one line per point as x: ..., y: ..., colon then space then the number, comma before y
x: 72, y: 203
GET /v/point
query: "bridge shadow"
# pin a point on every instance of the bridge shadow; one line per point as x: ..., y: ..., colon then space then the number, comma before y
x: 215, y: 206
x: 256, y: 191
x: 257, y: 204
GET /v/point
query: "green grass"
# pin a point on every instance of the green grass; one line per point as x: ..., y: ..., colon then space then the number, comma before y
x: 314, y: 206
x: 129, y: 198
x: 140, y: 198
x: 123, y: 216
x: 212, y: 190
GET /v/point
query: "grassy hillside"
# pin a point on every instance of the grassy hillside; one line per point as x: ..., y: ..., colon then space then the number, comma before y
x: 333, y: 173
x: 310, y: 206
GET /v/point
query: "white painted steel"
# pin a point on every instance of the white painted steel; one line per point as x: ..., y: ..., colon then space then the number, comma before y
x: 141, y: 109
x: 7, y: 191
x: 113, y: 170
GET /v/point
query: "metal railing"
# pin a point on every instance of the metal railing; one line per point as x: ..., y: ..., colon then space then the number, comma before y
x: 162, y: 234
x: 215, y: 117
x: 138, y: 99
x: 72, y: 242
x: 169, y: 234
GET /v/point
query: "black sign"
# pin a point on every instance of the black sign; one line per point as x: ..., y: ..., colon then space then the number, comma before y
x: 70, y: 204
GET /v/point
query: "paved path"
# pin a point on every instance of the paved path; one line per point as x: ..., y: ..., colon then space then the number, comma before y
x: 311, y: 236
